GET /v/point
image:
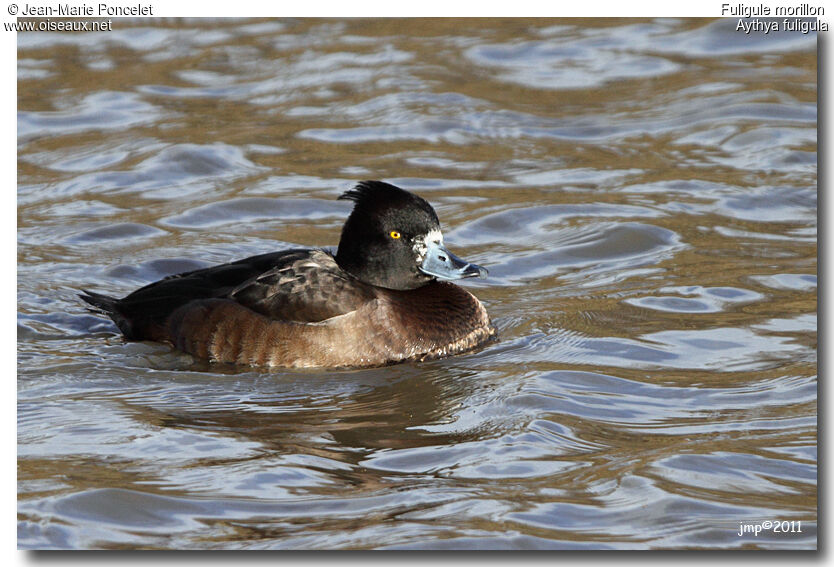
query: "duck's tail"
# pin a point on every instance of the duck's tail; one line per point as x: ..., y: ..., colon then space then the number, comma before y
x: 109, y: 306
x: 101, y: 302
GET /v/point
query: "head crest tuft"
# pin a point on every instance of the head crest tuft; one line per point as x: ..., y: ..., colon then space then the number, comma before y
x: 368, y: 190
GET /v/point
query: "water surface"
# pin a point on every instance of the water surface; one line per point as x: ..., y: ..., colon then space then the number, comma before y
x: 643, y: 193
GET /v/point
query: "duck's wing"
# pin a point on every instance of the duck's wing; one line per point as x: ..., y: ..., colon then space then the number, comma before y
x: 307, y: 288
x: 143, y: 313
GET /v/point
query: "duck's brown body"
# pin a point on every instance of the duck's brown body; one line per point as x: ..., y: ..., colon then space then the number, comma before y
x: 299, y: 309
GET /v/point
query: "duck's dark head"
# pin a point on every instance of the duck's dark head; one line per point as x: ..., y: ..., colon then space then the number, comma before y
x: 392, y: 239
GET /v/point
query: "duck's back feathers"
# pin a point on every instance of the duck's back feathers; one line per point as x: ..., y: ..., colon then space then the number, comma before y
x: 306, y: 287
x: 292, y: 285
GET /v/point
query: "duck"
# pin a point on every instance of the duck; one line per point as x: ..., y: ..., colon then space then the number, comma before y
x: 385, y: 296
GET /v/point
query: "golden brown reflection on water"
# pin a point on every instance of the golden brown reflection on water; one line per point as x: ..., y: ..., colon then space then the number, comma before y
x: 642, y: 191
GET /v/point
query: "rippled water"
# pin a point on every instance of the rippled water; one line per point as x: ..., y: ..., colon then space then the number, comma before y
x: 643, y: 193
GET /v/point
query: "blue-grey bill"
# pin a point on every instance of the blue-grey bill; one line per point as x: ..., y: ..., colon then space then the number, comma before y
x: 442, y: 264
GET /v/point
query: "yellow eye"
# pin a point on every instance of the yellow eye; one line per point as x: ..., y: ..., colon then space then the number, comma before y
x: 394, y: 234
